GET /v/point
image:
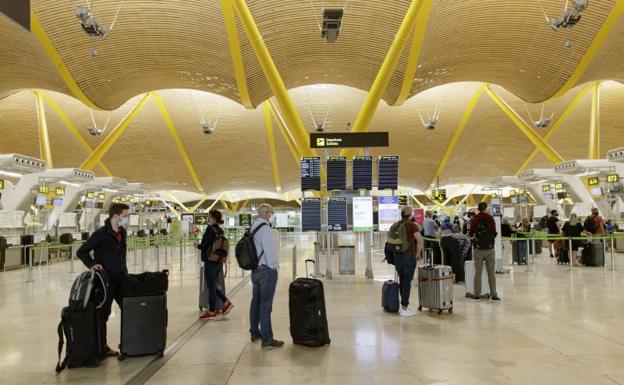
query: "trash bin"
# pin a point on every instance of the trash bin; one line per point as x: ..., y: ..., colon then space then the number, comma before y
x: 346, y: 260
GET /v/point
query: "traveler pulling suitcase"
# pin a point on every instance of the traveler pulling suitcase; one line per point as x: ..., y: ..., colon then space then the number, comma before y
x: 203, y: 289
x: 390, y: 295
x: 593, y: 254
x: 469, y: 268
x: 308, y: 318
x: 435, y: 285
x: 143, y: 326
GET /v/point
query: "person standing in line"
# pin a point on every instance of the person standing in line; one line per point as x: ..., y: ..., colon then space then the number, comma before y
x: 483, y: 229
x: 573, y: 229
x: 213, y: 268
x: 264, y: 280
x: 108, y: 244
x: 552, y: 223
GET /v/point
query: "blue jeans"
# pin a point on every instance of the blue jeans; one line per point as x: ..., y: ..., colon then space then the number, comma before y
x: 264, y: 282
x: 211, y: 270
x: 405, y: 265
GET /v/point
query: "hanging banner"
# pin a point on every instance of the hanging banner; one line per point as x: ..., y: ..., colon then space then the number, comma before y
x: 388, y: 212
x: 419, y: 216
x: 362, y: 214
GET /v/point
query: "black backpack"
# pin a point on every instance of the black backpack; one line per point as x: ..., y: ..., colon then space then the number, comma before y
x: 246, y: 253
x: 484, y: 235
x: 589, y: 224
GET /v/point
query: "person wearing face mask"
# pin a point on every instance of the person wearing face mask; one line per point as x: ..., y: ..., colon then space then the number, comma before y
x: 108, y: 244
x: 264, y: 280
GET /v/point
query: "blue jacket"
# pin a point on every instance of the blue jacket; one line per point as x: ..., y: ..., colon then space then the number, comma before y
x: 107, y: 251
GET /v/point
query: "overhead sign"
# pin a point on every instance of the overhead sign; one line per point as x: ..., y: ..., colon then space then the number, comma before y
x: 494, y: 195
x: 43, y: 189
x: 1, y: 184
x: 59, y: 191
x: 362, y: 214
x: 244, y: 220
x: 188, y: 218
x: 201, y: 218
x: 593, y: 181
x: 559, y: 186
x: 613, y: 178
x: 101, y: 197
x: 90, y: 195
x: 439, y: 194
x: 388, y: 212
x: 545, y: 188
x: 512, y: 193
x: 522, y: 191
x: 349, y: 139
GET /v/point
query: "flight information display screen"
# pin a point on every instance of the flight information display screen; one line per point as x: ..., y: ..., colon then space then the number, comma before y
x: 337, y: 214
x: 336, y: 173
x: 311, y: 173
x: 388, y: 171
x: 311, y: 214
x: 363, y: 173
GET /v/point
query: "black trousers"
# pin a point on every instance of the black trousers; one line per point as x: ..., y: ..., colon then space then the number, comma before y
x: 114, y: 293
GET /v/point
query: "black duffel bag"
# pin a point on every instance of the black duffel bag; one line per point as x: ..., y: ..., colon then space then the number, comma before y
x: 145, y: 284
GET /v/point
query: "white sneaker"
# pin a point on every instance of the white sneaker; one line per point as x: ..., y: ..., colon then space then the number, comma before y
x: 407, y: 312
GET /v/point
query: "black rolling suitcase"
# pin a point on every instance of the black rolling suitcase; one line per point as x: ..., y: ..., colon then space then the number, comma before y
x: 308, y: 319
x: 390, y: 296
x: 143, y: 326
x: 593, y: 254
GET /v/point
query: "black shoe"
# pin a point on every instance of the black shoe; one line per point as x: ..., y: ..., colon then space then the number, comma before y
x: 255, y: 338
x: 272, y: 344
x: 110, y: 353
x: 495, y: 299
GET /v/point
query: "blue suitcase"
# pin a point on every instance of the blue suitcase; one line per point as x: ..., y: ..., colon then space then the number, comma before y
x: 390, y: 296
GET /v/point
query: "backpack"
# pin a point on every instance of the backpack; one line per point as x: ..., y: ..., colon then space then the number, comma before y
x: 398, y: 241
x: 88, y: 286
x: 589, y: 224
x: 543, y: 223
x: 484, y: 235
x: 246, y: 253
x: 219, y: 250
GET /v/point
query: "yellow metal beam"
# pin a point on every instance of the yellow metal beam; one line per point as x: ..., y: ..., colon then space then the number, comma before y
x: 443, y: 208
x: 530, y: 133
x: 225, y: 206
x: 293, y: 121
x: 244, y: 205
x: 214, y: 203
x: 566, y: 113
x: 286, y: 134
x: 293, y: 198
x: 173, y: 131
x: 457, y: 134
x: 44, y: 140
x: 72, y: 128
x: 229, y: 18
x: 384, y: 75
x: 268, y: 120
x: 176, y: 200
x: 37, y: 29
x: 610, y: 22
x: 594, y: 128
x: 201, y: 202
x: 418, y: 37
x: 419, y: 203
x: 107, y: 143
x: 236, y: 205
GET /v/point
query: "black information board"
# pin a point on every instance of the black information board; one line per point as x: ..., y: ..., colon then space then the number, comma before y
x: 349, y: 139
x: 201, y: 218
x: 336, y: 173
x: 388, y: 172
x: 337, y: 214
x: 311, y: 214
x: 403, y: 200
x: 244, y: 220
x: 363, y: 173
x: 311, y: 173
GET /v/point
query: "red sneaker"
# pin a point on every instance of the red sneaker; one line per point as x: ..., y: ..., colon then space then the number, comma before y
x: 227, y: 307
x: 208, y: 315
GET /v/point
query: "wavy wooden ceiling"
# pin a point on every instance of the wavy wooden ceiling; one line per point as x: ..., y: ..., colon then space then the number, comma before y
x: 182, y: 44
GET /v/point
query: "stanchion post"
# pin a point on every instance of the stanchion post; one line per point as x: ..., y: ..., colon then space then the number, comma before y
x: 612, y: 252
x: 328, y: 273
x: 369, y: 255
x: 294, y: 262
x: 570, y: 261
x: 157, y: 245
x: 143, y: 256
x: 31, y: 256
x: 71, y: 258
x: 181, y: 254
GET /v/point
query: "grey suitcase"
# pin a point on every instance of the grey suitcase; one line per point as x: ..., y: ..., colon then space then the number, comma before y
x: 143, y: 326
x: 203, y: 289
x: 435, y: 285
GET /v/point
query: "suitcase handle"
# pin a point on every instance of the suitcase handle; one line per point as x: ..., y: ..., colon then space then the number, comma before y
x: 306, y: 265
x: 428, y: 252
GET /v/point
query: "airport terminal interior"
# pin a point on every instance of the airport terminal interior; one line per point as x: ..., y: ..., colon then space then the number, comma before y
x: 342, y: 123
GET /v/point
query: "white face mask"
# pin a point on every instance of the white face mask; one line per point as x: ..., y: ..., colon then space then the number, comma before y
x: 122, y: 221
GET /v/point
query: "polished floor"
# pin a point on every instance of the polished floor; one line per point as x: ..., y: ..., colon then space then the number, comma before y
x: 554, y: 326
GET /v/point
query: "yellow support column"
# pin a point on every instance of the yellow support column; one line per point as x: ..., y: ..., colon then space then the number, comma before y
x: 285, y: 134
x: 201, y: 202
x: 268, y: 120
x: 556, y: 126
x: 293, y: 121
x: 457, y: 134
x: 594, y: 128
x: 44, y: 140
x: 385, y: 73
x: 107, y: 143
x: 530, y: 133
x: 176, y: 200
x: 229, y: 18
x: 173, y: 131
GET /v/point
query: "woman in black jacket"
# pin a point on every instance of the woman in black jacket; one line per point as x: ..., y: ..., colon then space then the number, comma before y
x: 573, y: 228
x: 211, y: 268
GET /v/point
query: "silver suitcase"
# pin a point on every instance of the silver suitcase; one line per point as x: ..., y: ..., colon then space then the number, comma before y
x: 203, y: 289
x: 435, y: 285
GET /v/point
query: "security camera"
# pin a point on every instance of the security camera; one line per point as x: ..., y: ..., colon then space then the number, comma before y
x: 207, y: 128
x: 430, y: 124
x: 94, y: 131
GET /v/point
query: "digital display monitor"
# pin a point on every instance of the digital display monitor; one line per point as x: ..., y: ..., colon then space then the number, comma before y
x: 596, y: 191
x: 593, y: 181
x: 389, y: 212
x: 363, y: 173
x: 613, y: 178
x: 311, y: 173
x: 362, y: 214
x: 388, y: 172
x: 311, y: 214
x: 561, y: 195
x: 89, y: 204
x: 337, y: 214
x: 615, y: 189
x: 42, y: 200
x: 336, y: 173
x: 99, y: 205
x: 549, y: 196
x: 57, y: 202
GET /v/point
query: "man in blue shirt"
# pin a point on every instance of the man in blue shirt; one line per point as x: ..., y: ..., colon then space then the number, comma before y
x: 264, y: 280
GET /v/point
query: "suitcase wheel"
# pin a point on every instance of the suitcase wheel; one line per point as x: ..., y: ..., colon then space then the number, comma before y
x: 451, y: 311
x: 419, y: 308
x: 121, y: 357
x: 160, y: 354
x: 440, y: 311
